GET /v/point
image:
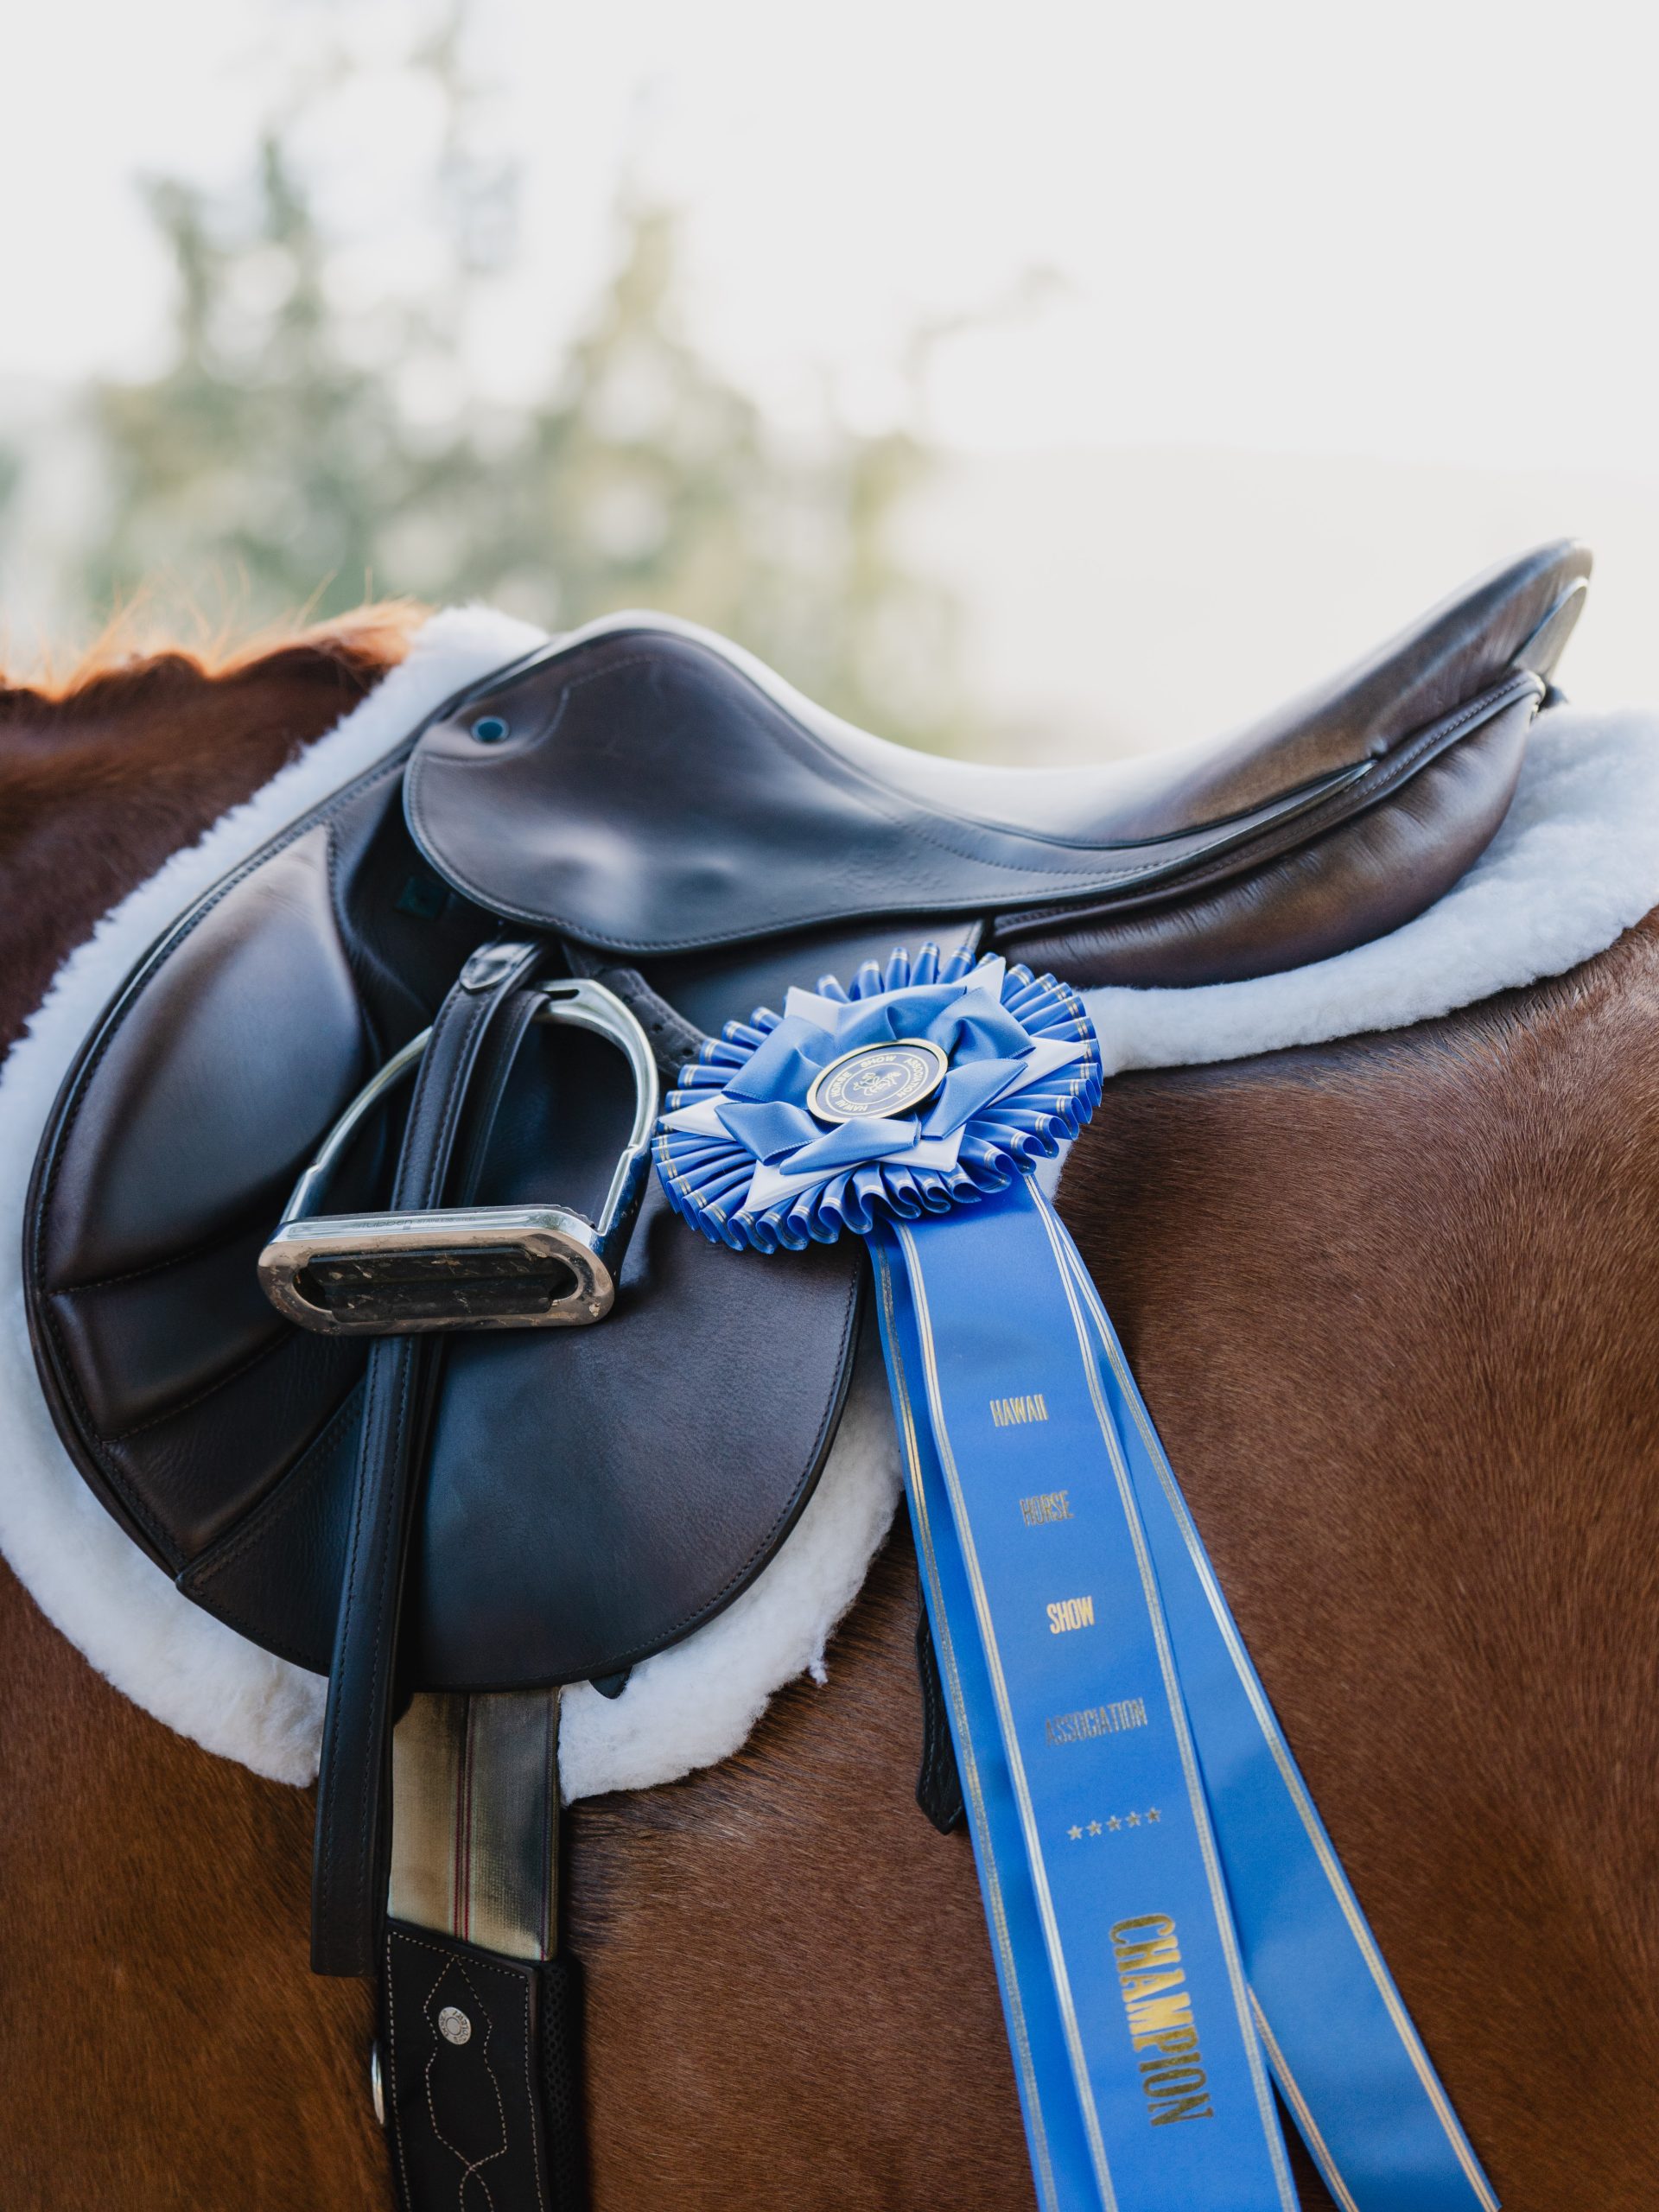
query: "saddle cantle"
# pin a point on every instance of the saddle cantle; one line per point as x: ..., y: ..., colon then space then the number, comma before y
x: 642, y: 803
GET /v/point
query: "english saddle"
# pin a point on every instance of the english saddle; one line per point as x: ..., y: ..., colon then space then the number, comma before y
x: 395, y: 1450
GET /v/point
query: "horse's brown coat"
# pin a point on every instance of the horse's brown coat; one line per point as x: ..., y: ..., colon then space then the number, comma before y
x: 1391, y: 1302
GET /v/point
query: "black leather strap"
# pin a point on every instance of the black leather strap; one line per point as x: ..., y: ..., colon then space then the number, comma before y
x: 482, y: 2082
x: 938, y: 1784
x: 674, y: 1040
x: 353, y: 1795
x: 559, y: 2022
x: 494, y: 1065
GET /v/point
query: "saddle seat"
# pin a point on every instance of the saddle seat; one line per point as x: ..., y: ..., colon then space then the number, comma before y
x: 650, y: 789
x: 649, y: 805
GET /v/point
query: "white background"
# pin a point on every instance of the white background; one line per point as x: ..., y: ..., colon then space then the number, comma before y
x: 1313, y: 307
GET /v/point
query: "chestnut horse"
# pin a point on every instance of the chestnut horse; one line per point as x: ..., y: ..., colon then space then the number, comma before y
x: 1392, y: 1303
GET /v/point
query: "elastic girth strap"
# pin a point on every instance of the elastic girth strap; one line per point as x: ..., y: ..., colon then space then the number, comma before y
x: 348, y: 1887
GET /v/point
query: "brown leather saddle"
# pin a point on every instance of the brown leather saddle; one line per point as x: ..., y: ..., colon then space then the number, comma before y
x: 641, y: 805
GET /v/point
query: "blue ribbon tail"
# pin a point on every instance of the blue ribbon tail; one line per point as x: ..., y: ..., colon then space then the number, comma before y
x: 1168, y: 1917
x: 1142, y: 2078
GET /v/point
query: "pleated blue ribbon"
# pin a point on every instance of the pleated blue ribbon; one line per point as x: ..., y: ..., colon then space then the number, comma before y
x: 1171, y: 1928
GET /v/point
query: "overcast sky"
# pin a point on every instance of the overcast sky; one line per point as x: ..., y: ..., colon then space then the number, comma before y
x: 1404, y: 229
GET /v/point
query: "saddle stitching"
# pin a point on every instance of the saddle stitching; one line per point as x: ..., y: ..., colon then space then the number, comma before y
x: 482, y: 1965
x: 209, y: 1390
x: 389, y: 2086
x: 289, y: 1488
x: 472, y: 2169
x: 486, y: 760
x: 254, y: 1218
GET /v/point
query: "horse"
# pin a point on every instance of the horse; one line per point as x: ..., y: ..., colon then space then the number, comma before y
x: 1390, y: 1301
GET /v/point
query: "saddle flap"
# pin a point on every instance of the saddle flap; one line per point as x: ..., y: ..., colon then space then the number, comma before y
x: 589, y: 1494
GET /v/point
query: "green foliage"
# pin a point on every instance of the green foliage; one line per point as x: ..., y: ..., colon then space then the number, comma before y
x: 261, y: 455
x: 282, y: 461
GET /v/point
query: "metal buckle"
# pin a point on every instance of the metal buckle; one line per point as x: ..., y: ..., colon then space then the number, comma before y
x: 545, y: 1267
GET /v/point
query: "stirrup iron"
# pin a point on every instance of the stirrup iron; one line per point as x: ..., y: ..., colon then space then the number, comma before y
x: 543, y: 1267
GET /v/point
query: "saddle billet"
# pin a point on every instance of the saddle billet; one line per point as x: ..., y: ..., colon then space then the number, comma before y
x: 642, y: 802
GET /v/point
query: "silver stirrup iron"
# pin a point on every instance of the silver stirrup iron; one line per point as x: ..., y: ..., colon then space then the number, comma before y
x: 545, y: 1267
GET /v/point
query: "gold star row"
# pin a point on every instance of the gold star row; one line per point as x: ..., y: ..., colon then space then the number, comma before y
x: 1113, y: 1823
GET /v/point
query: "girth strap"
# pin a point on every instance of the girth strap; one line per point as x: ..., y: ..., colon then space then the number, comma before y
x: 348, y: 1887
x: 482, y: 2077
x: 480, y: 2004
x: 674, y: 1040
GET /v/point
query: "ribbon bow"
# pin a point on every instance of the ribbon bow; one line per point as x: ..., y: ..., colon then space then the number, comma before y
x: 751, y: 1152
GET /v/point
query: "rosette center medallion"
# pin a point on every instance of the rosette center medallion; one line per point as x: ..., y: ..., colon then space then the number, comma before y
x: 875, y: 1081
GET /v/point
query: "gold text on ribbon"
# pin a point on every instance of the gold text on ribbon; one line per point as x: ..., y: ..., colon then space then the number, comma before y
x: 1160, y: 2009
x: 1071, y: 1612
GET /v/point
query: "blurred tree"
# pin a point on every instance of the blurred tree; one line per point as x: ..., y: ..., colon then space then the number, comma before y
x: 282, y: 452
x: 260, y: 451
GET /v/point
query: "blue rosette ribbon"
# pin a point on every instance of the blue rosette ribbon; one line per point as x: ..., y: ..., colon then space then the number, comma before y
x: 1017, y: 1070
x: 1172, y: 1931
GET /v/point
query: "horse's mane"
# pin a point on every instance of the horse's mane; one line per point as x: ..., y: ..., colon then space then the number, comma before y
x: 130, y: 658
